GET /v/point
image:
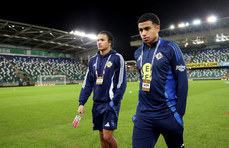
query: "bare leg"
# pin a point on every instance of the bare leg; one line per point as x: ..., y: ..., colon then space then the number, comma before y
x: 104, y: 144
x: 109, y: 138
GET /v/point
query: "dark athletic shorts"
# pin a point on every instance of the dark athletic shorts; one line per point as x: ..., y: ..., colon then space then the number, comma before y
x: 105, y: 116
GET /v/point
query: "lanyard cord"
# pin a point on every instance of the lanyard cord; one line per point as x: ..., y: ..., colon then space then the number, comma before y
x: 96, y: 71
x: 154, y: 54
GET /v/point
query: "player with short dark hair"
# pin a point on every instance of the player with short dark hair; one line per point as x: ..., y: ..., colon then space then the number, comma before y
x: 106, y: 77
x: 149, y: 16
x: 163, y: 88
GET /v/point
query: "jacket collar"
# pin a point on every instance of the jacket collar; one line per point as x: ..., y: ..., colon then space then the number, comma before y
x: 106, y: 55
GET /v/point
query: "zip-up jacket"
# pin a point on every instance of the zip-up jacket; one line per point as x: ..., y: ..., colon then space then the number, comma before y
x: 114, y: 79
x: 169, y: 83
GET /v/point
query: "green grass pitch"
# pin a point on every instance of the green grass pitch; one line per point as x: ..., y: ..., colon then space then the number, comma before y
x: 42, y: 117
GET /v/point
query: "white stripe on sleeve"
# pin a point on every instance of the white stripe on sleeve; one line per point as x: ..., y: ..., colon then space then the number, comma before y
x: 121, y: 72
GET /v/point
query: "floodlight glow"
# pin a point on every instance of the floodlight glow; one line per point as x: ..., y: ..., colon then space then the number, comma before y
x: 83, y: 34
x: 181, y: 25
x: 172, y: 27
x: 91, y: 36
x: 79, y: 33
x: 212, y: 19
x: 196, y: 22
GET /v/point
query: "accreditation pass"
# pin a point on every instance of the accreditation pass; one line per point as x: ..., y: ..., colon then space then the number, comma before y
x: 146, y: 85
x: 99, y: 81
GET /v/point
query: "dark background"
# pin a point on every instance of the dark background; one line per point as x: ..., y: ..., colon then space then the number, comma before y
x: 120, y: 18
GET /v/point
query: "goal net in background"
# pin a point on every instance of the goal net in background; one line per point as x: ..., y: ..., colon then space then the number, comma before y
x: 51, y: 80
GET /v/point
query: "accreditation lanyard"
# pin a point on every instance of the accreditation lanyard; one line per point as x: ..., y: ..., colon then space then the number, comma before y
x: 154, y: 54
x: 99, y: 80
x: 146, y: 83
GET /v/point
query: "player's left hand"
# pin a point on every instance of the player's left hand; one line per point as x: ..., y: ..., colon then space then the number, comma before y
x: 80, y: 110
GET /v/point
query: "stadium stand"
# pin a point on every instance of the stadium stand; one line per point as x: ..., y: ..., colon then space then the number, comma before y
x: 31, y: 65
x: 208, y: 73
x: 36, y: 66
x: 132, y: 71
x: 212, y: 55
x: 188, y: 56
x: 7, y: 72
x: 132, y: 76
x: 73, y: 69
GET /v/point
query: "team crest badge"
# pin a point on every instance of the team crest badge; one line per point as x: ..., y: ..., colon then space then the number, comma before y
x: 109, y: 64
x: 159, y: 56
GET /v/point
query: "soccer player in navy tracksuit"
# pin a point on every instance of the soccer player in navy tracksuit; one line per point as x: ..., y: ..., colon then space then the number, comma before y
x: 163, y: 88
x: 106, y: 77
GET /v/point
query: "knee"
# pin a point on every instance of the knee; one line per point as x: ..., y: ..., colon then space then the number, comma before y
x: 107, y: 137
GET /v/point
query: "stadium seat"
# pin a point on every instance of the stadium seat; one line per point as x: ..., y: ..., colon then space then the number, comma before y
x: 7, y: 72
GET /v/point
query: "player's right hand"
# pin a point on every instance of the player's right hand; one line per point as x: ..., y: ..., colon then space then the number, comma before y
x: 80, y: 110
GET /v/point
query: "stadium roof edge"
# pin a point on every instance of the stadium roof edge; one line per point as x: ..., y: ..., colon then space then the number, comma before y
x: 17, y: 35
x: 31, y: 25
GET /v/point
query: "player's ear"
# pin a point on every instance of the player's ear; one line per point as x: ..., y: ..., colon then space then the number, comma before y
x: 158, y: 27
x: 110, y: 43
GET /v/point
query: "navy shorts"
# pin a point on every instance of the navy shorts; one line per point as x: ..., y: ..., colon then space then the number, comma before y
x: 105, y: 116
x: 146, y: 132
